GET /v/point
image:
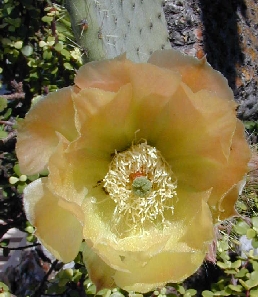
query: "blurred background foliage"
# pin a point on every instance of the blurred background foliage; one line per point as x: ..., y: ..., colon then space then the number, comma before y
x: 38, y: 54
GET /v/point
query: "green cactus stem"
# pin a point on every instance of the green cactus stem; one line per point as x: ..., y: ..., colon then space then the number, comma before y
x: 108, y: 28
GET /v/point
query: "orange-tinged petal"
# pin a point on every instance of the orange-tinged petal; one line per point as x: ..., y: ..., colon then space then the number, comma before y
x: 220, y: 117
x: 226, y: 185
x: 147, y: 79
x: 108, y: 75
x: 88, y: 103
x: 189, y: 131
x: 111, y: 75
x: 180, y: 118
x: 56, y: 227
x: 134, y: 108
x: 198, y: 142
x: 196, y: 74
x: 37, y: 133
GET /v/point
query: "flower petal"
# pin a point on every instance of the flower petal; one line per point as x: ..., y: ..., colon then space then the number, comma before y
x: 100, y: 273
x: 226, y: 185
x: 198, y: 142
x: 197, y: 74
x: 88, y: 102
x: 111, y: 75
x: 193, y: 207
x: 110, y: 127
x: 191, y: 213
x: 56, y: 227
x: 191, y: 132
x: 37, y: 133
x: 159, y: 270
x: 108, y: 75
x: 75, y: 173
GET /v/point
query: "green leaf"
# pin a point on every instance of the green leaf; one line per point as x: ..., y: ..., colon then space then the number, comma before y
x: 68, y: 66
x: 253, y: 281
x: 236, y: 264
x: 3, y: 104
x: 255, y: 243
x: 51, y: 39
x: 23, y: 178
x: 33, y: 177
x: 31, y: 238
x: 255, y: 222
x: 59, y: 46
x: 91, y: 290
x: 3, y: 134
x: 224, y: 265
x: 255, y: 265
x: 47, y: 55
x: 27, y: 50
x: 42, y: 43
x: 254, y: 293
x: 65, y: 53
x: 117, y: 294
x: 47, y: 19
x: 241, y: 227
x: 13, y: 180
x: 21, y: 187
x: 56, y: 289
x: 18, y: 44
x: 236, y: 288
x: 207, y: 293
x: 30, y: 229
x: 4, y: 243
x: 241, y: 273
x: 16, y: 169
x: 11, y: 28
x: 241, y: 205
x: 250, y: 233
x: 191, y: 292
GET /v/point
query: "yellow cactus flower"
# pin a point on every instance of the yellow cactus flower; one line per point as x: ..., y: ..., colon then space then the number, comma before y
x: 143, y: 160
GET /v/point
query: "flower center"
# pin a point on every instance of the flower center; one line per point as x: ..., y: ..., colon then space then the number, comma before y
x: 142, y: 185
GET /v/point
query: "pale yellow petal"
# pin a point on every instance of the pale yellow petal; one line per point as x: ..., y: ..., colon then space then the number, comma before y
x: 57, y: 227
x: 197, y: 218
x: 165, y: 267
x: 191, y: 213
x: 37, y: 133
x: 99, y: 272
x: 75, y: 173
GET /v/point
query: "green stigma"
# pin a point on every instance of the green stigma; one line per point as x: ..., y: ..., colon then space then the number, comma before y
x: 141, y: 186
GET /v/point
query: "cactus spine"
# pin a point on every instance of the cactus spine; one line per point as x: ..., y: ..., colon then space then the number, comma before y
x: 108, y: 28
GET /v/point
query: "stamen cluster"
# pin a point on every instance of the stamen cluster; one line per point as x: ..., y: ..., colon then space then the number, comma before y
x: 141, y: 184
